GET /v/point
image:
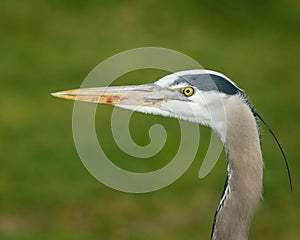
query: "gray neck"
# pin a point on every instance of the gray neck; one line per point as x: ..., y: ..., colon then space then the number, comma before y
x: 244, y: 176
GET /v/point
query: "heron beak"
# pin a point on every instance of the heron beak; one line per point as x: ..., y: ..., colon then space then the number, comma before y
x: 136, y: 95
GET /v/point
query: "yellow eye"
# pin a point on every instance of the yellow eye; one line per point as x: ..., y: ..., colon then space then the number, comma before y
x: 188, y: 91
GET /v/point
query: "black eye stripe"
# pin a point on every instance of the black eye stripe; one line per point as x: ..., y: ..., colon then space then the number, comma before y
x: 209, y: 82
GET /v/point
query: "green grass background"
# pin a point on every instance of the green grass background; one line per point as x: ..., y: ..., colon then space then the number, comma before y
x: 45, y: 46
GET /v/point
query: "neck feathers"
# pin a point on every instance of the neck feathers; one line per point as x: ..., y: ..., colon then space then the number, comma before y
x: 244, y: 173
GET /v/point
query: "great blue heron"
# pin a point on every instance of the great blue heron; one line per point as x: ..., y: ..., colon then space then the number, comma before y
x: 208, y: 98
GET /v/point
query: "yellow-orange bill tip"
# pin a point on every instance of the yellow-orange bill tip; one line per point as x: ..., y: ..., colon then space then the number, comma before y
x: 64, y: 95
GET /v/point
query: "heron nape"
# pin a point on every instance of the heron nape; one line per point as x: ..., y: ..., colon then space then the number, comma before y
x: 201, y: 96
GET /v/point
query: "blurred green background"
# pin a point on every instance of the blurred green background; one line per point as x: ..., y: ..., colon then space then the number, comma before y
x: 45, y: 46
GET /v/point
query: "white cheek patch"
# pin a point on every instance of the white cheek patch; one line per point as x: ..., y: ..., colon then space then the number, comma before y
x: 216, y: 105
x: 189, y: 111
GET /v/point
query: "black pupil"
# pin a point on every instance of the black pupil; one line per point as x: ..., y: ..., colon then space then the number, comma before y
x: 188, y: 91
